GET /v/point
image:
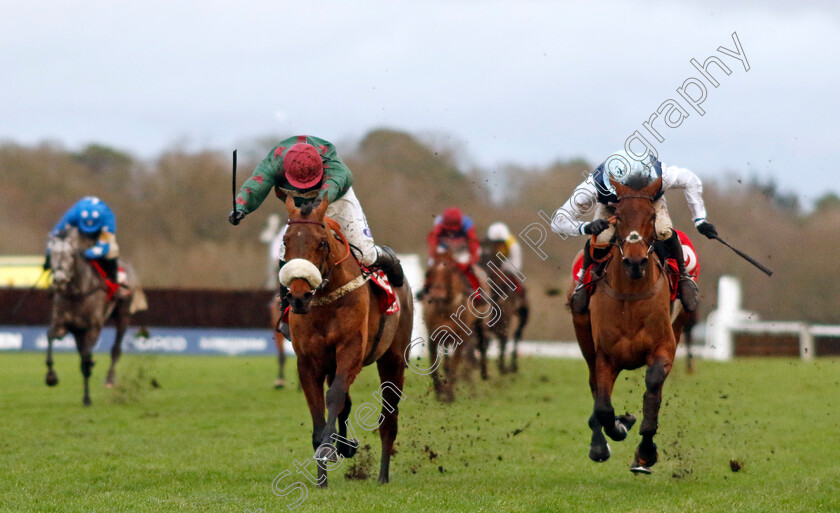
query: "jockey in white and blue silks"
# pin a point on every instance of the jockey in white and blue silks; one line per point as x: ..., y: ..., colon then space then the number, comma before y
x: 94, y: 220
x: 597, y: 195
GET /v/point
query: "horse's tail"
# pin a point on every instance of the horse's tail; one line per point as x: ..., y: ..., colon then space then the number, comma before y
x: 138, y: 297
x: 522, y: 313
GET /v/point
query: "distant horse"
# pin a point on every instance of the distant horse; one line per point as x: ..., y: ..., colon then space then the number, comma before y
x: 81, y: 306
x: 446, y: 313
x: 514, y: 303
x: 337, y: 329
x: 279, y: 341
x: 689, y: 321
x: 628, y: 325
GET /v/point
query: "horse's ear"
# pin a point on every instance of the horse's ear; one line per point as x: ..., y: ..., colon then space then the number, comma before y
x: 654, y: 188
x: 290, y: 205
x: 620, y: 188
x: 321, y: 210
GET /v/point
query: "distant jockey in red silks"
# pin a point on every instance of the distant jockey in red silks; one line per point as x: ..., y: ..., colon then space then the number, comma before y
x: 456, y: 232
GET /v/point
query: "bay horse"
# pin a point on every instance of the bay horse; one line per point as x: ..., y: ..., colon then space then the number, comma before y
x: 80, y: 306
x: 514, y: 303
x: 337, y: 329
x: 447, y: 315
x: 628, y: 325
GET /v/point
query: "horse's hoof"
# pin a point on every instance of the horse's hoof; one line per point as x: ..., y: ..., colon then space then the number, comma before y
x: 627, y: 420
x: 109, y: 384
x: 599, y: 453
x: 384, y: 480
x: 280, y: 383
x: 86, y: 401
x: 52, y: 379
x: 639, y: 469
x: 326, y: 453
x: 646, y: 458
x: 348, y: 451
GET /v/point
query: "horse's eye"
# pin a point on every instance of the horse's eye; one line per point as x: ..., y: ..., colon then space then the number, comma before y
x: 323, y: 244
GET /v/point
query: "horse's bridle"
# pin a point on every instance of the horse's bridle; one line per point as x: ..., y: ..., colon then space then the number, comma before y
x: 325, y: 273
x: 634, y: 237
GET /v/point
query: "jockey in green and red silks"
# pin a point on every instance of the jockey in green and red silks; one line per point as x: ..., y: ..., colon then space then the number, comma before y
x: 308, y: 168
x: 94, y: 220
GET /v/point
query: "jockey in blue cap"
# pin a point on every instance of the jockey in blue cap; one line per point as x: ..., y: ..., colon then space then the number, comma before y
x: 597, y: 195
x: 94, y: 220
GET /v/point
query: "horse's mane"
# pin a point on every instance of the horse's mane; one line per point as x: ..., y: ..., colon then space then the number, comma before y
x: 307, y: 208
x: 637, y: 182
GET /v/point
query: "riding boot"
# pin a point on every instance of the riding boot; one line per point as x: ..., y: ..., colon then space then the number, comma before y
x: 283, y: 292
x: 109, y: 265
x: 687, y: 289
x: 579, y: 302
x: 387, y: 261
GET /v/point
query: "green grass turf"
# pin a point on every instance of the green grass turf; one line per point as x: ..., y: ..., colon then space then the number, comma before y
x: 215, y: 434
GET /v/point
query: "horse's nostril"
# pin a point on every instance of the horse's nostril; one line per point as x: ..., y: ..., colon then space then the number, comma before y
x: 644, y: 261
x: 308, y: 295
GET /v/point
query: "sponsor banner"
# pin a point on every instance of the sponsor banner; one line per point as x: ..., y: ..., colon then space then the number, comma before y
x: 159, y: 340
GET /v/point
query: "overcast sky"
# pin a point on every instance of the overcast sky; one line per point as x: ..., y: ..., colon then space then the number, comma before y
x: 525, y: 82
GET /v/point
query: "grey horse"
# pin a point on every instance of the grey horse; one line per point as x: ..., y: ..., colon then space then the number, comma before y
x: 81, y: 306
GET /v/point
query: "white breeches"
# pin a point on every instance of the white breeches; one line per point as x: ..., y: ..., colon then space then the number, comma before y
x: 347, y: 212
x: 662, y: 224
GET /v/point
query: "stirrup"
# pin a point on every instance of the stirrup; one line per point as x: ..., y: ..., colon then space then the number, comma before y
x: 283, y: 329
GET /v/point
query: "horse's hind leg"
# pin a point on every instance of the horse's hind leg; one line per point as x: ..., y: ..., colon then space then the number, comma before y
x: 646, y: 454
x: 392, y: 376
x: 85, y: 341
x: 121, y: 319
x: 52, y: 336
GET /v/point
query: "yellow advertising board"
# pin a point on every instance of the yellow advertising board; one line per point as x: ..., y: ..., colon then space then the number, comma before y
x: 23, y: 271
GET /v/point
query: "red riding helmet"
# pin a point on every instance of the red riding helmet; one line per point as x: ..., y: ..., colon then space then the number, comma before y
x: 303, y: 166
x: 452, y: 218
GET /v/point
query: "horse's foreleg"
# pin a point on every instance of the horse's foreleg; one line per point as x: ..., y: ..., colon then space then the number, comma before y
x: 615, y: 427
x: 501, y: 335
x: 116, y: 349
x: 281, y: 361
x: 599, y: 449
x: 344, y: 446
x: 646, y: 454
x: 312, y: 382
x: 52, y: 336
x: 522, y: 313
x: 392, y: 376
x: 437, y: 382
x: 482, y: 347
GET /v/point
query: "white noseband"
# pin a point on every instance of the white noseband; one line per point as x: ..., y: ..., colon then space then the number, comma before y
x: 300, y: 268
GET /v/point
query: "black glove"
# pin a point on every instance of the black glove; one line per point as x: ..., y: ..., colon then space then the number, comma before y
x: 236, y: 216
x: 707, y: 229
x: 47, y: 263
x: 596, y: 227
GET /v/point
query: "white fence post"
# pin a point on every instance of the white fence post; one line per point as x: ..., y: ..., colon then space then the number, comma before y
x: 720, y: 322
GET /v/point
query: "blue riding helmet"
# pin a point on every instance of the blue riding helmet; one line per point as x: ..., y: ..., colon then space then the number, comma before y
x: 92, y: 216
